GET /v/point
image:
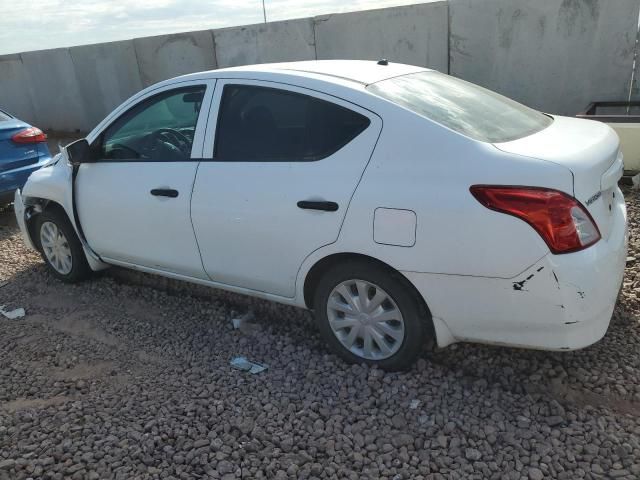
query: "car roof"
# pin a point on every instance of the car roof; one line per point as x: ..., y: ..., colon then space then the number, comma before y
x: 360, y: 71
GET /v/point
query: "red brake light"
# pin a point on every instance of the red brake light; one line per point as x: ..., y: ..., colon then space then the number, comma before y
x: 29, y: 135
x: 562, y: 222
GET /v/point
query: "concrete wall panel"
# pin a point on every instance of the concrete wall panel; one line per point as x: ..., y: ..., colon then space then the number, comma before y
x: 265, y: 43
x: 554, y: 55
x: 416, y: 34
x: 635, y: 88
x: 15, y: 96
x: 107, y: 74
x: 167, y: 56
x: 51, y: 79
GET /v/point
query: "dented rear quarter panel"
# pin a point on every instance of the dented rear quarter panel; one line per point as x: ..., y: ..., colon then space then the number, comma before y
x: 561, y: 302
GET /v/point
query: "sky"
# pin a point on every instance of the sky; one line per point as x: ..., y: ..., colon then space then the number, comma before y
x: 64, y: 23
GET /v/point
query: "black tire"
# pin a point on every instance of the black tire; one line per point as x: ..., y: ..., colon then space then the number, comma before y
x: 418, y: 326
x: 80, y: 269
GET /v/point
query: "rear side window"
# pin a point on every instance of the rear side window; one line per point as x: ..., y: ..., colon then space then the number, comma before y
x: 462, y: 106
x: 269, y: 125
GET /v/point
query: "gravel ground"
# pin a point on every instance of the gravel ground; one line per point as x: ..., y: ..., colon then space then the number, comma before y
x: 115, y: 379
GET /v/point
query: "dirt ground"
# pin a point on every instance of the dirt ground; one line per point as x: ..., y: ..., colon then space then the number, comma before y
x: 115, y: 378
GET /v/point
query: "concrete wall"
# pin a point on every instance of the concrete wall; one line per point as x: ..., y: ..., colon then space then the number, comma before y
x: 167, y: 56
x: 265, y: 43
x: 107, y: 74
x: 417, y: 35
x: 554, y: 55
x: 635, y: 88
x: 14, y: 94
x: 51, y: 79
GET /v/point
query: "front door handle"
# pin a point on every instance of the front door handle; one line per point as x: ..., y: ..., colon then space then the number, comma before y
x: 318, y: 205
x: 164, y: 192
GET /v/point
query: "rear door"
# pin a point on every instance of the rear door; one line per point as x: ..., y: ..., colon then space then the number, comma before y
x: 284, y: 164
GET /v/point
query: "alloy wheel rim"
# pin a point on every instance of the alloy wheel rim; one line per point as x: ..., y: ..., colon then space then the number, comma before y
x: 365, y: 319
x: 56, y: 248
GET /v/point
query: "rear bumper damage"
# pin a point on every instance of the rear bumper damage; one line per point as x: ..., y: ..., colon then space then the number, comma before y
x: 562, y: 302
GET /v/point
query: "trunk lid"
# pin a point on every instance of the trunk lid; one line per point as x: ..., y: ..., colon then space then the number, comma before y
x: 14, y: 155
x: 590, y: 150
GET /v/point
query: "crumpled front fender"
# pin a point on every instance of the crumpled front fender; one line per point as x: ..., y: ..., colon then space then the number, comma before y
x: 19, y: 209
x: 51, y: 184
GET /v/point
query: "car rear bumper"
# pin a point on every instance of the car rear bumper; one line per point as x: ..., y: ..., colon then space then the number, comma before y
x: 562, y: 302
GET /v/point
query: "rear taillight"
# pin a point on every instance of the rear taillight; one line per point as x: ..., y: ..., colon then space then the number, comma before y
x: 29, y: 135
x: 562, y: 222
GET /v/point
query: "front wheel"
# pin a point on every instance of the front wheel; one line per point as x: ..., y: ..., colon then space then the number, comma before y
x: 371, y: 314
x: 60, y: 247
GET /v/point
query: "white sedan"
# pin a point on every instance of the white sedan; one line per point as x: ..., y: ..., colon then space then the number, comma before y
x: 405, y: 207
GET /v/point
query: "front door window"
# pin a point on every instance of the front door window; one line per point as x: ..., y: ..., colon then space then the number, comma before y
x: 160, y: 128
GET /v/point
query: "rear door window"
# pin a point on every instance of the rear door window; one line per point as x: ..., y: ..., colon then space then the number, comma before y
x: 462, y: 106
x: 262, y: 124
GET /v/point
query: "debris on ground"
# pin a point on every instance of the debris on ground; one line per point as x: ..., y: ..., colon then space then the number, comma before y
x: 238, y: 322
x: 246, y: 323
x: 12, y: 314
x: 241, y: 363
x: 3, y: 284
x: 414, y: 404
x: 635, y: 180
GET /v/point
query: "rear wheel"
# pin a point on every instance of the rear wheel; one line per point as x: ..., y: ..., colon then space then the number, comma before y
x: 60, y: 247
x: 370, y: 314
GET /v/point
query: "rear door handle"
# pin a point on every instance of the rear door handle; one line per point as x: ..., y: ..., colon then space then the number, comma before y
x: 164, y: 192
x: 318, y: 205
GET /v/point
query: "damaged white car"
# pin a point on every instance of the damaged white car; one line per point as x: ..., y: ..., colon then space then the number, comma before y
x: 404, y: 206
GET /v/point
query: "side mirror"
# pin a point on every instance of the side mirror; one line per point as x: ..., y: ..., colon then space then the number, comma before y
x: 79, y: 152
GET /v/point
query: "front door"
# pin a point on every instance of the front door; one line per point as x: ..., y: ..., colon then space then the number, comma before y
x: 285, y: 165
x: 133, y: 200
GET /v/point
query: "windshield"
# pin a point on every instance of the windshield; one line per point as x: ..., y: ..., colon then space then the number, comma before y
x: 462, y: 106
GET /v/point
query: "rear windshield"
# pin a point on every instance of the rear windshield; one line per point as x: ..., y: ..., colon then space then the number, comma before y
x: 4, y: 116
x: 462, y: 106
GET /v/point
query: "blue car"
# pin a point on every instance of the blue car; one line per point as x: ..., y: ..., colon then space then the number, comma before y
x: 23, y: 150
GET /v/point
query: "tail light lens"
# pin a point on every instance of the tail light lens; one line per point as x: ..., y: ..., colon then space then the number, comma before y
x: 562, y: 222
x: 29, y: 135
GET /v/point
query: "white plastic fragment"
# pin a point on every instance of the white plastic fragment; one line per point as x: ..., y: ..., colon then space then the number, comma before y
x: 246, y: 324
x: 414, y: 404
x: 636, y: 181
x: 241, y: 363
x: 239, y: 322
x: 13, y: 314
